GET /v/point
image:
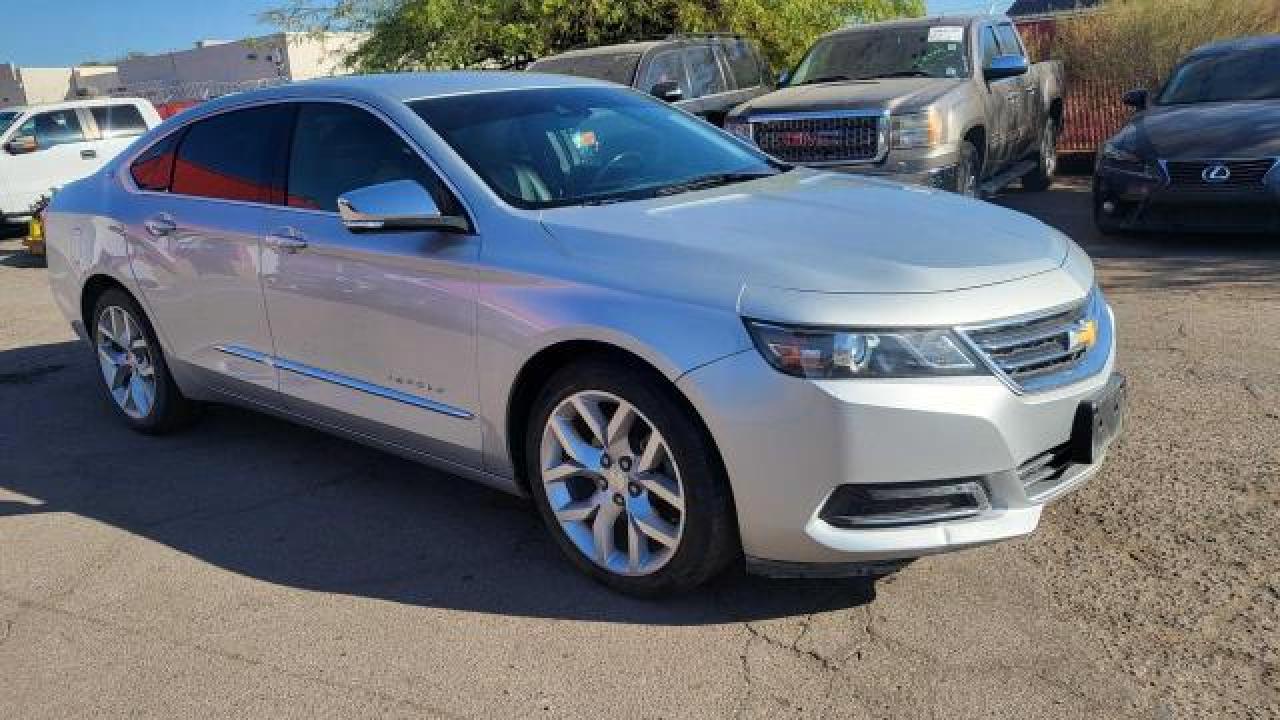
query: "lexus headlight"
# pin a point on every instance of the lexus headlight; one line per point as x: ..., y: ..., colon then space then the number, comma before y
x: 917, y: 130
x: 1122, y: 158
x: 742, y: 129
x: 823, y: 353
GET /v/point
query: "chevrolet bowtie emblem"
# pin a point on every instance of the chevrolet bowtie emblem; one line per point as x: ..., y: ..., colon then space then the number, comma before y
x: 1084, y: 336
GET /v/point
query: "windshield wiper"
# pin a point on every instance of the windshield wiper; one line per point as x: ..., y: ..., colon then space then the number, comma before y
x: 902, y: 73
x: 709, y: 181
x: 826, y: 79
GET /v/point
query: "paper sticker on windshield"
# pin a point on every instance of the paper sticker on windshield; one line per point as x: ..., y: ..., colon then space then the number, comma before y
x: 946, y: 34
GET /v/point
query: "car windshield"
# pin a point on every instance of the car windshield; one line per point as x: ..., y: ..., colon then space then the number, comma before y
x: 919, y: 51
x: 6, y: 119
x: 614, y: 67
x: 551, y: 147
x: 1247, y: 75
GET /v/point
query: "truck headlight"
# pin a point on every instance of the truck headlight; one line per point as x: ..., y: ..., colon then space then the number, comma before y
x: 827, y: 353
x: 742, y: 129
x: 917, y: 130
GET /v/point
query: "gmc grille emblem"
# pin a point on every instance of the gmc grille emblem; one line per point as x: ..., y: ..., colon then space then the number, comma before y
x: 1216, y: 174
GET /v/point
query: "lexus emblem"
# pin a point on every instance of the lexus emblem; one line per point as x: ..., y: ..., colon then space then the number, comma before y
x: 1216, y: 174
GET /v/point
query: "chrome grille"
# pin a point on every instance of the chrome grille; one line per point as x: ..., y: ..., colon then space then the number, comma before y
x: 1050, y: 350
x: 820, y: 140
x: 1245, y: 174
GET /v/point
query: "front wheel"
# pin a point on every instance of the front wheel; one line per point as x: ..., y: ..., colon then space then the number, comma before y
x: 627, y: 481
x: 968, y: 170
x: 1046, y: 168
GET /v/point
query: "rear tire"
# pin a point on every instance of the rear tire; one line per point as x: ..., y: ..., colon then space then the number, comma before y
x: 627, y: 481
x: 132, y: 365
x: 1041, y: 178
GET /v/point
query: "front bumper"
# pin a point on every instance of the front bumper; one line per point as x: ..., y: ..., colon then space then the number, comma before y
x: 821, y: 434
x: 1132, y: 201
x: 934, y: 168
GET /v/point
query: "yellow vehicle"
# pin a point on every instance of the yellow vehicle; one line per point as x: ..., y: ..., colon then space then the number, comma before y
x: 35, y: 236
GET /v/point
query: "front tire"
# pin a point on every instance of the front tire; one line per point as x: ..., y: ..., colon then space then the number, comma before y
x: 968, y: 171
x: 1041, y: 178
x: 135, y: 376
x: 627, y: 481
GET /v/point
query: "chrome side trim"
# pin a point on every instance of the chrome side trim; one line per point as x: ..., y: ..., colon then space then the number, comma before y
x: 345, y: 381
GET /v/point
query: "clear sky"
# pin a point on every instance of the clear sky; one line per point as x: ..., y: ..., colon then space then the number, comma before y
x: 36, y: 33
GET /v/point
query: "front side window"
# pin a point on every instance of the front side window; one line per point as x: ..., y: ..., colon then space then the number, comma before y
x: 232, y: 156
x: 153, y: 169
x: 117, y: 121
x: 338, y: 148
x: 1228, y: 77
x: 613, y: 67
x: 705, y: 77
x: 551, y: 147
x: 7, y: 118
x: 666, y: 67
x: 990, y: 47
x: 51, y: 129
x: 917, y: 51
x: 1010, y: 43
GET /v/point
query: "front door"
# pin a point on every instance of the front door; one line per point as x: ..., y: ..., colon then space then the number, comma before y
x: 1003, y: 99
x: 195, y: 231
x: 374, y: 333
x: 64, y: 152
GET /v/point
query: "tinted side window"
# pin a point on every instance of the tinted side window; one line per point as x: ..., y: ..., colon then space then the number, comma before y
x: 705, y: 77
x: 742, y: 63
x: 53, y: 128
x: 232, y: 156
x: 1010, y: 44
x: 337, y: 148
x: 990, y: 48
x: 666, y: 66
x: 115, y: 121
x: 153, y: 169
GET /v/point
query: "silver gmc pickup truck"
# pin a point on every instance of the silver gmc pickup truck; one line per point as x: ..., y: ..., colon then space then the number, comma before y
x: 951, y: 102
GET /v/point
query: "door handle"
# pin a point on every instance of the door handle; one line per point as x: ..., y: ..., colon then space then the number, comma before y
x: 161, y: 225
x: 286, y: 240
x: 88, y: 154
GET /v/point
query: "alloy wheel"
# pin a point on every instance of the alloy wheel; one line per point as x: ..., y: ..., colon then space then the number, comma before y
x: 126, y: 361
x: 612, y: 483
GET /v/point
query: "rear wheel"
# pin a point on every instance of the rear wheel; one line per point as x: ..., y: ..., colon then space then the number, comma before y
x: 1046, y: 168
x: 133, y: 368
x: 627, y: 482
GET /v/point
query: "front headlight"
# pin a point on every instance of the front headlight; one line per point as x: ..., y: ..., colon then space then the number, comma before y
x: 824, y: 353
x: 917, y: 130
x: 742, y: 129
x: 1127, y: 160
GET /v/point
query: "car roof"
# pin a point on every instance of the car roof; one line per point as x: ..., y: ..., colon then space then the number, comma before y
x: 920, y: 22
x: 639, y: 47
x: 1255, y: 42
x: 83, y: 102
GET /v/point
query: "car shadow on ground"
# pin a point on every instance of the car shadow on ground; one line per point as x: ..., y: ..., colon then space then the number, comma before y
x: 1137, y: 261
x: 291, y: 506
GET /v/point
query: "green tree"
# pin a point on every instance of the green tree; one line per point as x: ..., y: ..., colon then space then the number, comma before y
x: 434, y: 34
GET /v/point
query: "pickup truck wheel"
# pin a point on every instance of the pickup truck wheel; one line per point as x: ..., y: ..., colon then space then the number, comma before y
x: 1041, y: 177
x: 627, y: 481
x: 968, y: 170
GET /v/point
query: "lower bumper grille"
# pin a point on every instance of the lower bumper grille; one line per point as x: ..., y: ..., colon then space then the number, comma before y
x: 1044, y: 472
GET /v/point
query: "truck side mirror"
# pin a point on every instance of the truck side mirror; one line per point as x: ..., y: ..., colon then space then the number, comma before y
x: 1007, y: 66
x: 1136, y: 99
x: 21, y: 145
x: 668, y: 91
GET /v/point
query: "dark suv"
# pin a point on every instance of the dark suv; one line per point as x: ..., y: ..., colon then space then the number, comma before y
x: 707, y: 75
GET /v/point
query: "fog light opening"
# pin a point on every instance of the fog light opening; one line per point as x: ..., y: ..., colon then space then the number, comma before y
x: 896, y: 504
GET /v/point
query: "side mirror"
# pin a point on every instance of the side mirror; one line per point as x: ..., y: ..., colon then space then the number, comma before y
x: 21, y: 145
x: 394, y: 206
x: 1007, y: 66
x: 1136, y: 99
x: 668, y: 91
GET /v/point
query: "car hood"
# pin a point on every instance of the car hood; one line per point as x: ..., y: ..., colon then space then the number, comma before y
x: 1207, y: 131
x: 808, y: 230
x: 884, y: 94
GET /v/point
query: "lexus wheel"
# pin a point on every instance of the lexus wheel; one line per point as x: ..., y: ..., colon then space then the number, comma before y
x: 627, y: 480
x: 132, y: 365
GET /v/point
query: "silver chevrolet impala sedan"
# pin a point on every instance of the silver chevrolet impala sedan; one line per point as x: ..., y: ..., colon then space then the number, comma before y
x: 688, y: 354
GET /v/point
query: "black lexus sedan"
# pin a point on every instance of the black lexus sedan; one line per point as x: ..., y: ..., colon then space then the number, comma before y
x: 1201, y: 155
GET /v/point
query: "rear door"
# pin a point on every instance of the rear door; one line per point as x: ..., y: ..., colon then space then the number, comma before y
x: 710, y: 97
x: 64, y: 152
x: 748, y: 74
x: 195, y: 224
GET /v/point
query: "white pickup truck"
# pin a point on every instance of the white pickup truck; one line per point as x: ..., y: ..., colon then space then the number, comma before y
x: 46, y: 147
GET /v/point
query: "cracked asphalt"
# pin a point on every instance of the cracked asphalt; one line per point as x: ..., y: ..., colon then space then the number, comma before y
x: 250, y: 568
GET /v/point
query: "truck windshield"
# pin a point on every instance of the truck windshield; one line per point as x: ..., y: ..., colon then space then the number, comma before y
x: 6, y: 119
x: 614, y: 67
x: 1237, y: 76
x: 917, y: 51
x: 551, y: 147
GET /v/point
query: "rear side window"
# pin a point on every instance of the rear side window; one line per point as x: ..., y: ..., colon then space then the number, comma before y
x: 705, y: 77
x: 51, y: 129
x: 116, y: 121
x: 153, y: 169
x: 338, y: 148
x: 743, y: 63
x: 233, y: 156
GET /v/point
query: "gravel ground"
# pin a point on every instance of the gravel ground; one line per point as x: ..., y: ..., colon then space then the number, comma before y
x: 253, y: 568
